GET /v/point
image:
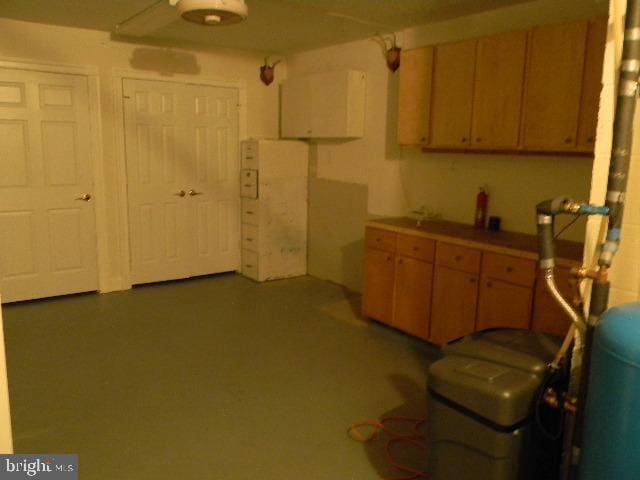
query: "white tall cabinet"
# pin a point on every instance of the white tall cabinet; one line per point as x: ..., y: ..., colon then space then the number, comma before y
x: 273, y: 186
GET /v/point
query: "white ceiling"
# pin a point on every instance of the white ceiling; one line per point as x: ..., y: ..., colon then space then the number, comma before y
x: 279, y: 26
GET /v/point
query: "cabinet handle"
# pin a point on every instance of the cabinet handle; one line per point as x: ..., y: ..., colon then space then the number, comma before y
x: 378, y: 239
x: 248, y: 212
x: 249, y: 239
x: 464, y: 140
x: 457, y: 258
x: 591, y: 140
x: 489, y: 284
x: 415, y: 248
x: 248, y: 185
x: 509, y: 269
x: 388, y: 258
x: 478, y: 139
x: 472, y: 280
x: 568, y: 140
x: 400, y: 262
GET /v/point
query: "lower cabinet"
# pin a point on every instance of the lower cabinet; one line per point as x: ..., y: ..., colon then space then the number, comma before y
x: 377, y: 296
x: 455, y: 295
x: 503, y: 305
x: 397, y: 281
x: 439, y: 291
x: 412, y: 302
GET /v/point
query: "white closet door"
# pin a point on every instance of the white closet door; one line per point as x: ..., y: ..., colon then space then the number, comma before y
x: 181, y: 139
x: 214, y: 185
x: 47, y: 234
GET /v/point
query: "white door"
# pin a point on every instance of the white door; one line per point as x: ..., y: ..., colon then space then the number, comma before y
x: 182, y: 178
x: 47, y: 233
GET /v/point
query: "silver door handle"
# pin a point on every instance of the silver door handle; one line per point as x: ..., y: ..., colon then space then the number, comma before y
x: 193, y: 193
x: 180, y: 193
x: 85, y: 197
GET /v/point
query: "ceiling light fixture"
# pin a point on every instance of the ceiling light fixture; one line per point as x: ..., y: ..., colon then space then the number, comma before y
x: 213, y: 12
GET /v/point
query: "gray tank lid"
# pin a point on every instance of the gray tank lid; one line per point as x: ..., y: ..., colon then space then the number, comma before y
x: 520, y: 349
x: 501, y: 394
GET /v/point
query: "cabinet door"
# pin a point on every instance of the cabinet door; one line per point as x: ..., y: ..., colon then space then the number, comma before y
x: 453, y: 72
x: 503, y: 305
x: 453, y: 308
x: 296, y: 119
x: 497, y: 100
x: 548, y: 316
x: 377, y: 295
x: 592, y: 84
x: 412, y: 299
x: 553, y: 87
x: 414, y: 97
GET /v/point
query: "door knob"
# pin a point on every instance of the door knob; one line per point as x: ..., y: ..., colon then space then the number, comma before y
x: 193, y: 193
x: 86, y: 197
x: 180, y: 193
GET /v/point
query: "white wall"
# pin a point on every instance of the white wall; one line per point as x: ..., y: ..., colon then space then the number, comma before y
x: 44, y: 43
x: 354, y: 180
x: 625, y: 271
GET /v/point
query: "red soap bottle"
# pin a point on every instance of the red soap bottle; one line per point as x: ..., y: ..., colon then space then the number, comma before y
x: 482, y: 202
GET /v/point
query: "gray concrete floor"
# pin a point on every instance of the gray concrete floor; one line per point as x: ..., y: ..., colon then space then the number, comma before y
x: 210, y: 378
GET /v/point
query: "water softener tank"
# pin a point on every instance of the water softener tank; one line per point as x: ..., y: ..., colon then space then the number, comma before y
x: 612, y: 415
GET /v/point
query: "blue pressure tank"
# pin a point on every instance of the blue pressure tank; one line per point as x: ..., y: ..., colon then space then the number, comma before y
x: 612, y: 417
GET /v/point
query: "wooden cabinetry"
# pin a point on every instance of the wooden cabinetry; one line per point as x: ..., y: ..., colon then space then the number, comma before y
x: 591, y: 84
x: 552, y: 94
x: 453, y: 73
x: 497, y: 101
x: 397, y: 280
x: 441, y: 290
x: 415, y: 96
x: 506, y: 292
x: 324, y: 105
x: 529, y: 91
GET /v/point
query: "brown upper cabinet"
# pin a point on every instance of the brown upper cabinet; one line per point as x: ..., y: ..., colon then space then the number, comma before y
x: 535, y: 90
x: 592, y: 83
x: 552, y: 94
x: 414, y: 101
x: 497, y: 101
x: 452, y: 96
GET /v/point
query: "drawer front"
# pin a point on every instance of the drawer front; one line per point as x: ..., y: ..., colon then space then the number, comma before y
x: 520, y: 271
x: 249, y: 183
x: 380, y: 239
x: 250, y: 237
x: 457, y: 257
x: 250, y: 264
x: 250, y: 211
x: 249, y: 155
x: 416, y: 247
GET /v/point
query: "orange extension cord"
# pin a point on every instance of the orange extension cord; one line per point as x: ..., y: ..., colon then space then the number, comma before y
x: 415, y: 438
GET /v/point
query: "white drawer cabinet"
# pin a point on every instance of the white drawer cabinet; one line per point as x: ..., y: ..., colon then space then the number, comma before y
x: 324, y: 105
x: 274, y: 222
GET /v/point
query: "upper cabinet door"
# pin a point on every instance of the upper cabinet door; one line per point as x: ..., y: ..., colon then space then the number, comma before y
x: 454, y: 66
x: 414, y: 100
x: 553, y: 88
x: 295, y: 117
x: 497, y: 101
x: 592, y: 83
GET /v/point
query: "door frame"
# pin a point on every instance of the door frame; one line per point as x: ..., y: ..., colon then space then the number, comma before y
x: 117, y: 76
x: 96, y: 158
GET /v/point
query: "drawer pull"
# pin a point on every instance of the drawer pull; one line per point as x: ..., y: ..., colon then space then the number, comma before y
x: 378, y: 239
x: 400, y: 261
x: 249, y: 212
x: 248, y: 265
x: 388, y: 258
x: 472, y: 280
x: 489, y: 284
x: 249, y: 239
x: 457, y: 258
x: 509, y: 269
x: 415, y: 248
